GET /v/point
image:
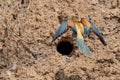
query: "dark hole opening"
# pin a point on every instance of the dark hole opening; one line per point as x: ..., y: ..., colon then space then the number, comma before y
x: 64, y: 47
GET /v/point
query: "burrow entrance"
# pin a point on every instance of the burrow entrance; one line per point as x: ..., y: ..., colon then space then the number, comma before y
x: 65, y: 47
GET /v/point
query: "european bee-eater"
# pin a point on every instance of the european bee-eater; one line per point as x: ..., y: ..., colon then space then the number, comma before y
x: 80, y: 29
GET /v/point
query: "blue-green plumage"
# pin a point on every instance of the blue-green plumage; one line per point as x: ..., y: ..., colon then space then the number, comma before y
x: 62, y: 28
x: 86, y: 31
x: 74, y: 31
x: 82, y: 47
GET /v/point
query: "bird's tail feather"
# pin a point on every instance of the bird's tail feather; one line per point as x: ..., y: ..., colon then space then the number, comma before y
x: 82, y: 47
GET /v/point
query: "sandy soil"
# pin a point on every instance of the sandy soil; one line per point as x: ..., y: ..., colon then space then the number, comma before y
x: 26, y: 30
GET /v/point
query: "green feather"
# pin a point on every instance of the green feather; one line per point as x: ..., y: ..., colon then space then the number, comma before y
x: 82, y: 47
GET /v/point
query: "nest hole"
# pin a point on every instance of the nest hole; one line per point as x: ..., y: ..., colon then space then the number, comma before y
x: 65, y: 47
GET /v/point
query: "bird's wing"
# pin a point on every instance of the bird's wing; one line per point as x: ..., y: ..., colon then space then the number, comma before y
x: 89, y: 25
x: 61, y: 29
x: 97, y: 32
x: 80, y: 40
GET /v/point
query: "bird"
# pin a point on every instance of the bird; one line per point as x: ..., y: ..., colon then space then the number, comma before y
x: 90, y: 26
x: 80, y: 29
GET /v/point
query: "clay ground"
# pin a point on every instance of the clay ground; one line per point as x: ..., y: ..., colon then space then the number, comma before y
x: 26, y: 30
